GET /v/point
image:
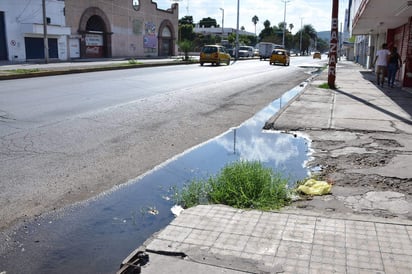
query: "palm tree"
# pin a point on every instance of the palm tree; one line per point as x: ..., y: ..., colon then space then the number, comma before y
x: 291, y: 26
x: 255, y: 19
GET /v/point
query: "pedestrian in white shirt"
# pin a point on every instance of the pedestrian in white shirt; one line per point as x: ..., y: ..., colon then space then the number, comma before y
x: 381, y: 61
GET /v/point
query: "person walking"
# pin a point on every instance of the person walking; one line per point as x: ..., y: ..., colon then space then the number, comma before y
x: 394, y: 64
x: 381, y: 61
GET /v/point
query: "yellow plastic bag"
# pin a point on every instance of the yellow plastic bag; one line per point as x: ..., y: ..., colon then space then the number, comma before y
x: 313, y: 187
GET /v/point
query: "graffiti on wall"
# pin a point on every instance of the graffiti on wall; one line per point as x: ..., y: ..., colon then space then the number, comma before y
x: 149, y: 38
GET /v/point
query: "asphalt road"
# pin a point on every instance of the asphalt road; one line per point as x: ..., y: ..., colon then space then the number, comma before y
x: 67, y: 138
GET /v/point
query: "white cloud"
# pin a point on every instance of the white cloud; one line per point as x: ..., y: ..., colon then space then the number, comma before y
x: 318, y: 13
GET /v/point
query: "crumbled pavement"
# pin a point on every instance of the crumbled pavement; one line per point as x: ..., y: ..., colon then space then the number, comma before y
x: 361, y: 142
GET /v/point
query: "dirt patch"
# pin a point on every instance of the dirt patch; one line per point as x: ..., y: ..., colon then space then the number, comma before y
x: 355, y: 164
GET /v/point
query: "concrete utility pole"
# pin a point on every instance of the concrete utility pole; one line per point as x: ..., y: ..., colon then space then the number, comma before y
x: 223, y: 20
x: 46, y: 44
x: 333, y: 45
x: 237, y: 33
x: 284, y: 22
x: 300, y: 39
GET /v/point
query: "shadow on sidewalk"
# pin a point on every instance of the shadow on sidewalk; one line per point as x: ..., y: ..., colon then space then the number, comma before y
x: 400, y: 97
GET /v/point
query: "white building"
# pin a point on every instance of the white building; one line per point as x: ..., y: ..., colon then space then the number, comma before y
x: 21, y: 30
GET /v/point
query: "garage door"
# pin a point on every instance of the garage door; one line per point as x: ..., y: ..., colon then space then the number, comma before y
x: 35, y: 48
x: 3, y: 48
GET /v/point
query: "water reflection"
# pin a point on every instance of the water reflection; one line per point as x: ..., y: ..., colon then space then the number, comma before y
x: 95, y: 236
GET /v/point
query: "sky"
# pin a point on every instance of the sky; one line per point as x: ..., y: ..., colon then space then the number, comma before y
x: 318, y: 13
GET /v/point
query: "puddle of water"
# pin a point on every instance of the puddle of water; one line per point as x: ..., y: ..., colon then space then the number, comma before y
x: 95, y: 236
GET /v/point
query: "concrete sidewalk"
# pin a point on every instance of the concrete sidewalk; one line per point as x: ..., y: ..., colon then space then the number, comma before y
x: 362, y: 140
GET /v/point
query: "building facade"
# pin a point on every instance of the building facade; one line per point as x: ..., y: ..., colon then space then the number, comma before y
x: 373, y: 23
x: 120, y: 28
x: 21, y: 30
x: 86, y: 29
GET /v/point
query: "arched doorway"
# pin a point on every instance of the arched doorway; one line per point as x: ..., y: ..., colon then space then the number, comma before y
x: 96, y: 35
x: 166, y: 39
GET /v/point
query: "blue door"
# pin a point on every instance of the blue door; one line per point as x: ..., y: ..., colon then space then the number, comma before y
x: 35, y: 48
x: 3, y: 44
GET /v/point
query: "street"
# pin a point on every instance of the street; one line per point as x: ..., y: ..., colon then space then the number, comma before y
x: 68, y: 138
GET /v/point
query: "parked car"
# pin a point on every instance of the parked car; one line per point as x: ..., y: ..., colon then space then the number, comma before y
x: 317, y: 55
x: 279, y: 56
x: 214, y: 54
x: 245, y: 51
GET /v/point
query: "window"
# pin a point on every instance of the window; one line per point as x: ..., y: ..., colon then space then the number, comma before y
x: 135, y: 4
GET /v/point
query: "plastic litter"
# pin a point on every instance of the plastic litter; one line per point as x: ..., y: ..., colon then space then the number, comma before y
x: 176, y: 210
x: 314, y: 187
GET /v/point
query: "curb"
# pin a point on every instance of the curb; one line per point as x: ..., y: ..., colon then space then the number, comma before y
x: 64, y: 71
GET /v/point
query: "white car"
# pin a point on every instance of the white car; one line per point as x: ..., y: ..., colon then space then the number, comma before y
x: 246, y: 51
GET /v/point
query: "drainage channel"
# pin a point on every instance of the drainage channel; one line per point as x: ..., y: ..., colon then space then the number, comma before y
x: 95, y: 236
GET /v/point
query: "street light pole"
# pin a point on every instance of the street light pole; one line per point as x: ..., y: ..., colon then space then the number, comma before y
x: 284, y: 21
x: 223, y: 20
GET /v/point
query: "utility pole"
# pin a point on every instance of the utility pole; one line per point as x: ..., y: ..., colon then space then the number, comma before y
x: 300, y: 39
x: 46, y: 44
x: 223, y: 20
x: 333, y: 45
x: 284, y: 21
x: 237, y: 33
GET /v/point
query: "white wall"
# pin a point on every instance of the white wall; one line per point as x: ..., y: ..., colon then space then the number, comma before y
x: 24, y: 18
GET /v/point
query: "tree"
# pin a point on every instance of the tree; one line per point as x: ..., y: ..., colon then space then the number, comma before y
x: 291, y: 26
x: 309, y: 30
x: 186, y: 20
x: 208, y: 22
x: 186, y: 32
x: 255, y: 19
x: 186, y: 46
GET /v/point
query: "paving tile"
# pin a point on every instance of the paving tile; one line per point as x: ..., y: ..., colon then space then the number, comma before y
x: 165, y: 245
x: 409, y: 229
x: 394, y: 239
x: 361, y: 235
x: 202, y: 237
x: 397, y: 263
x: 292, y: 266
x: 330, y: 235
x: 333, y: 225
x: 200, y: 210
x: 356, y: 270
x: 299, y: 229
x: 329, y: 255
x: 361, y: 228
x: 187, y: 219
x: 270, y: 225
x: 364, y: 259
x: 231, y: 242
x: 294, y: 250
x: 262, y: 246
x: 212, y: 223
x: 174, y: 233
x: 221, y: 212
x: 325, y: 268
x: 242, y: 223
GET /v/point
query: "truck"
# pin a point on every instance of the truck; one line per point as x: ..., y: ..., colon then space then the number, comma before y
x: 266, y: 48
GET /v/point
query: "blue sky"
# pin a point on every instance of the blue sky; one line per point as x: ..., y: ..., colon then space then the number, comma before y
x: 318, y: 13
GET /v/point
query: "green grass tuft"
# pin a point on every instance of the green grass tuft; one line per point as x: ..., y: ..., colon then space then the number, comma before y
x: 241, y: 184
